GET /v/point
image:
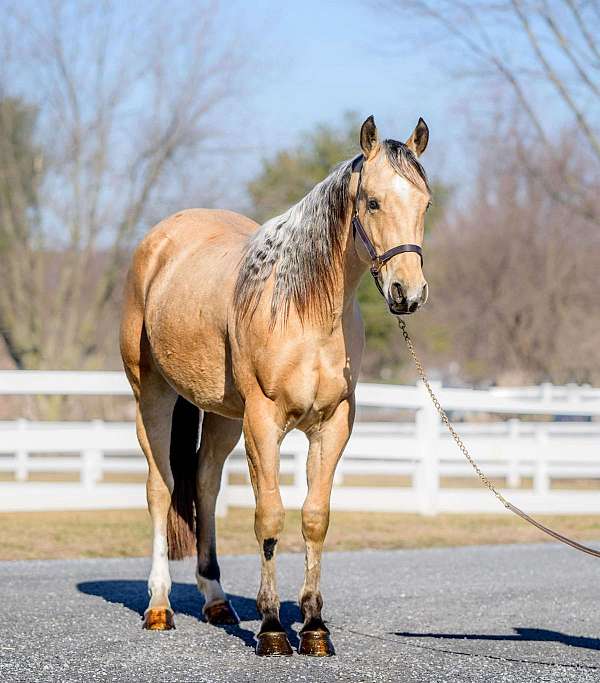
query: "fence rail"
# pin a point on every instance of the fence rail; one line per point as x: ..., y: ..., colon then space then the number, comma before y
x: 416, y: 458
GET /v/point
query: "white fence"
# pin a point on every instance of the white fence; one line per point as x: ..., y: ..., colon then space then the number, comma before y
x: 417, y: 454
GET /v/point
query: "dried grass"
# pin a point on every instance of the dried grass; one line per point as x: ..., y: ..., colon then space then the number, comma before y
x: 126, y: 533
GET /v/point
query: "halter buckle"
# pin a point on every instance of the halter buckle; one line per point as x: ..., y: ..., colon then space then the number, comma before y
x: 376, y: 266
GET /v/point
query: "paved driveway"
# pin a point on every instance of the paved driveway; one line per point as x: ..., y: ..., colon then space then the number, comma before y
x: 504, y: 613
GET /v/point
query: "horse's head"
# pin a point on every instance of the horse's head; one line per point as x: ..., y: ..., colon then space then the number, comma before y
x: 393, y: 196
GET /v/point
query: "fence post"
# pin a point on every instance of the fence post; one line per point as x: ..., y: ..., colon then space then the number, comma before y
x: 91, y: 466
x: 427, y: 480
x: 574, y: 394
x: 547, y: 391
x: 21, y: 456
x: 513, y: 477
x: 541, y: 480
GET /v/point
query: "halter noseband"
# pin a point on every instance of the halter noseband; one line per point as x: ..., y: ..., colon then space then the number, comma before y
x: 377, y: 260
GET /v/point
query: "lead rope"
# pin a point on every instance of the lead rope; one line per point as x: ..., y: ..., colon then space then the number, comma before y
x: 484, y: 480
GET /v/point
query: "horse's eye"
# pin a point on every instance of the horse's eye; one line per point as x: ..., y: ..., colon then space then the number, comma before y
x: 373, y: 204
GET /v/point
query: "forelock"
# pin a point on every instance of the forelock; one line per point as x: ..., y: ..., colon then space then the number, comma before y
x: 404, y: 162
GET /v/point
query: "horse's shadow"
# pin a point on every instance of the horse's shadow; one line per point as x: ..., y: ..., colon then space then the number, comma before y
x: 521, y: 635
x: 185, y: 599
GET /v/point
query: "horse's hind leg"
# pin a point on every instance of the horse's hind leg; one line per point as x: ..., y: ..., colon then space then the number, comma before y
x: 219, y: 437
x: 156, y: 402
x: 326, y: 446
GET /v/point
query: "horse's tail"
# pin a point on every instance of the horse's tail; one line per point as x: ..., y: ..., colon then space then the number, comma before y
x: 181, y: 533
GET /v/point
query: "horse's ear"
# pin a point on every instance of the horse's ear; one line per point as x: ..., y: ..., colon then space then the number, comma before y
x: 417, y: 142
x: 368, y: 138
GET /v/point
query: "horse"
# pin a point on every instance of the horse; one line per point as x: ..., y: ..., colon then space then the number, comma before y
x: 229, y: 327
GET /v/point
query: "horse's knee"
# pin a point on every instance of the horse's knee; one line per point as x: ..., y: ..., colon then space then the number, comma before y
x: 268, y: 525
x: 315, y: 522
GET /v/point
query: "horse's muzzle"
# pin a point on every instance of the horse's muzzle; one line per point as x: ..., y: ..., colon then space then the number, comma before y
x: 404, y: 301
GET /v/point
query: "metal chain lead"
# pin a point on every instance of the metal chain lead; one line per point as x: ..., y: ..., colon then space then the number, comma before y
x: 445, y: 419
x: 484, y: 480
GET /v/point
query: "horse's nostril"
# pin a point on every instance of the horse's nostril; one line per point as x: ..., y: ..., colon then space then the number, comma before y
x: 413, y: 307
x: 397, y: 293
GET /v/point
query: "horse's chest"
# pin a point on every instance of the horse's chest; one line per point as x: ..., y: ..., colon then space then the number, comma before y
x: 323, y: 386
x: 309, y: 385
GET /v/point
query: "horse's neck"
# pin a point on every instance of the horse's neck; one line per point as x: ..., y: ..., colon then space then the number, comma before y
x: 351, y: 269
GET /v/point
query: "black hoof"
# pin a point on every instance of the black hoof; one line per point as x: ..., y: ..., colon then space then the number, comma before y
x: 221, y: 614
x: 273, y: 644
x: 316, y: 644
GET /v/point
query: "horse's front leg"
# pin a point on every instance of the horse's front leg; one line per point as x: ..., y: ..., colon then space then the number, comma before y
x: 326, y: 446
x: 263, y: 434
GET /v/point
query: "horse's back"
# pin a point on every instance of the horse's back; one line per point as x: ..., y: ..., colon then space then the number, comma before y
x: 177, y: 298
x: 204, y: 224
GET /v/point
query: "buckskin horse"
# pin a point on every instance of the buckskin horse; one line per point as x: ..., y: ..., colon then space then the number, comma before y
x: 257, y: 329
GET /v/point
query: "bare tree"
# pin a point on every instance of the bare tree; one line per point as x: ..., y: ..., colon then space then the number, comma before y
x: 128, y: 102
x: 548, y: 55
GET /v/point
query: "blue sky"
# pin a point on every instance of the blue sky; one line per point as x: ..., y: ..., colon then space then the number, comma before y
x: 325, y: 58
x: 332, y: 56
x: 317, y: 60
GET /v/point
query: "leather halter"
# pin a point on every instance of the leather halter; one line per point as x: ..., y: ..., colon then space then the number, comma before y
x: 377, y: 260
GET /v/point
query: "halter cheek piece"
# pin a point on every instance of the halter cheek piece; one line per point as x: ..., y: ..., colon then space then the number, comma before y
x: 377, y: 260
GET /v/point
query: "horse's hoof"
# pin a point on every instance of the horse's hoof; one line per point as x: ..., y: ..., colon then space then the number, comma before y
x: 316, y: 644
x: 273, y: 644
x: 158, y: 619
x: 221, y: 614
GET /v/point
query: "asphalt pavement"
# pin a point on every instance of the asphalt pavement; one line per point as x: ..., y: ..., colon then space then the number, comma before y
x: 496, y: 613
